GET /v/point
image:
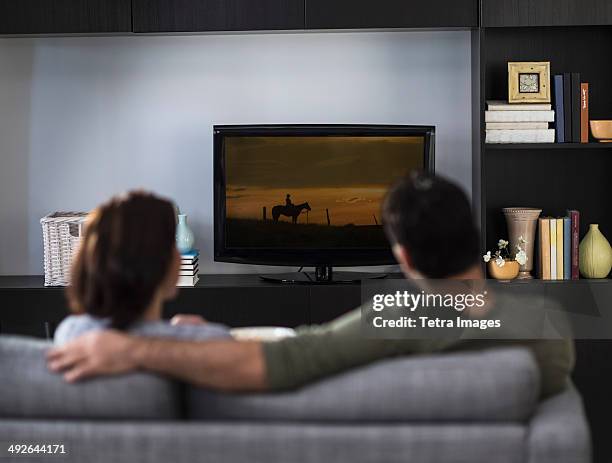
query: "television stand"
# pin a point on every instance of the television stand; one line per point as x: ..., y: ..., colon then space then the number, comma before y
x: 323, y: 275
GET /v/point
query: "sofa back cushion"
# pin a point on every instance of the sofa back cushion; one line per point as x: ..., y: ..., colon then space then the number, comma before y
x: 29, y: 390
x: 488, y: 385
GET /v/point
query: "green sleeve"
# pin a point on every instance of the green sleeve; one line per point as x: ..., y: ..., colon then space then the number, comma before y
x: 323, y: 350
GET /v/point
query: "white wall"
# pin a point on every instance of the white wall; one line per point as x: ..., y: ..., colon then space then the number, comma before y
x: 82, y: 118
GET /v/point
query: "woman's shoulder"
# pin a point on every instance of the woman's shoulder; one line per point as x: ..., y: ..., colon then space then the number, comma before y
x: 75, y: 325
x: 184, y: 332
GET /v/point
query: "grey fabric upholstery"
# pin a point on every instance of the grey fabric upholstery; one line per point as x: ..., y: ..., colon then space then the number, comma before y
x: 279, y: 442
x: 29, y: 390
x: 491, y: 385
x: 372, y: 423
x: 559, y: 431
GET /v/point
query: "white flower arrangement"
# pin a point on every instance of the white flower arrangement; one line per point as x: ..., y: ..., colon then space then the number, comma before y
x: 502, y: 254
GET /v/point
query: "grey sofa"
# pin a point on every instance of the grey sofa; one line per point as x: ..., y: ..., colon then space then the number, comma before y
x: 463, y: 407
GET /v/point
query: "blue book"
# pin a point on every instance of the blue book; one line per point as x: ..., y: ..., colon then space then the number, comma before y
x: 567, y: 105
x: 190, y: 254
x: 567, y: 248
x: 559, y: 109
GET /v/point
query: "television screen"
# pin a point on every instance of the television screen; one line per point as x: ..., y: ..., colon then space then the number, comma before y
x: 308, y: 191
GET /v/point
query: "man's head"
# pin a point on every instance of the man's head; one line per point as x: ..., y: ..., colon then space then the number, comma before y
x: 429, y: 223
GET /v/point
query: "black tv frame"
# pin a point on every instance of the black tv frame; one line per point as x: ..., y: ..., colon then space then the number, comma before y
x: 303, y: 257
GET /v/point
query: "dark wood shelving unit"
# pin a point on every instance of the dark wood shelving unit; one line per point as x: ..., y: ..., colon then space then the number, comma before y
x: 504, y: 13
x: 27, y: 307
x: 548, y: 146
x: 160, y: 16
x: 559, y: 176
x: 65, y: 16
x: 581, y: 281
x: 574, y: 36
x: 122, y: 17
x: 365, y: 14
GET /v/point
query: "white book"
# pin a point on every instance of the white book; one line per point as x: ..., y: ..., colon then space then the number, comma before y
x: 516, y: 125
x: 519, y: 116
x: 190, y: 266
x: 495, y: 105
x: 189, y: 272
x: 520, y: 136
x: 187, y: 280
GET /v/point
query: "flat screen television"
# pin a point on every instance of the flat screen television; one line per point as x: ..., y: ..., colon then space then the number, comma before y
x: 310, y: 195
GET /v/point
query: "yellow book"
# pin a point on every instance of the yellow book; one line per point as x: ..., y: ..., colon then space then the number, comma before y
x: 553, y: 249
x: 560, y: 246
x: 545, y: 249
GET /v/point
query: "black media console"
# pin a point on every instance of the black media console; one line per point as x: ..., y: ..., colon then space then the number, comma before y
x: 30, y: 308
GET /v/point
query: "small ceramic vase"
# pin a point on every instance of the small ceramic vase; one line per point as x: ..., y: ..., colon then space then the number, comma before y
x: 509, y: 271
x: 595, y: 254
x: 522, y: 221
x: 184, y: 235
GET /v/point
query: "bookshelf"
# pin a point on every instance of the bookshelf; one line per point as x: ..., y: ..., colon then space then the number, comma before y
x: 549, y: 146
x: 536, y: 281
x: 553, y: 177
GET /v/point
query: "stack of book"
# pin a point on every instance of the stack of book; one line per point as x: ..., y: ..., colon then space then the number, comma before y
x: 558, y: 247
x: 571, y: 98
x: 188, y: 275
x: 519, y: 123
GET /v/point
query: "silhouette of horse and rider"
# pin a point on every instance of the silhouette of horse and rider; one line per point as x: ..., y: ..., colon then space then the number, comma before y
x: 289, y: 210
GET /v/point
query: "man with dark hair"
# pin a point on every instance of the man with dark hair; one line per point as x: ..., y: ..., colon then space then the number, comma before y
x: 431, y: 219
x: 429, y: 224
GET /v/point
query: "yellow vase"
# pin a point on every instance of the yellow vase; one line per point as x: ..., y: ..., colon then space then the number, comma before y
x: 595, y: 254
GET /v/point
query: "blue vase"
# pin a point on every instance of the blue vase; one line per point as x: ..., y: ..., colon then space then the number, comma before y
x: 184, y: 235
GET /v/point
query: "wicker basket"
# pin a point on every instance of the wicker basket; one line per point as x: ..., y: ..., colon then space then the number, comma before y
x: 62, y: 233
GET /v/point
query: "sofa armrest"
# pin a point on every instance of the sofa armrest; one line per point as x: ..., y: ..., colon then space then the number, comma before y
x: 559, y: 432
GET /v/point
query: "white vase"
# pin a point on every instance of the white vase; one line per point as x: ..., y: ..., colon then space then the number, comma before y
x: 184, y: 235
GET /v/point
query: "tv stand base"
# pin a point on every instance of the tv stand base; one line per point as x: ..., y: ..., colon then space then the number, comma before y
x: 323, y: 275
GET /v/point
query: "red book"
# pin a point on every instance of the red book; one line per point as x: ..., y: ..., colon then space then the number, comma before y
x: 575, y: 230
x: 584, y: 113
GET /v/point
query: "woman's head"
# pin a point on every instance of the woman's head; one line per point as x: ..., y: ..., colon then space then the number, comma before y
x: 127, y: 259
